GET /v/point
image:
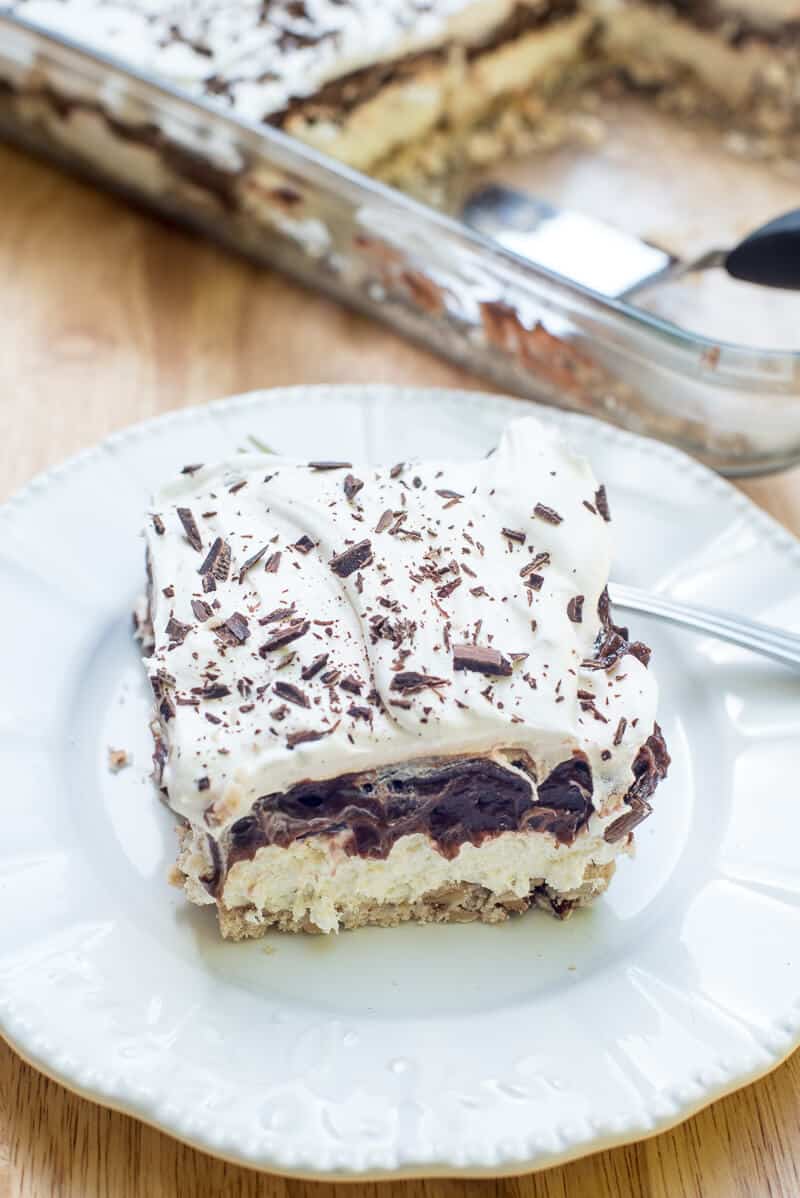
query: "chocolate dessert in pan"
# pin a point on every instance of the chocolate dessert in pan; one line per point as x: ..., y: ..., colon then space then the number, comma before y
x: 188, y: 108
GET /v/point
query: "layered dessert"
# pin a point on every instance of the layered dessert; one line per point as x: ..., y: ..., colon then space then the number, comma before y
x: 392, y: 88
x: 735, y: 59
x: 402, y: 88
x: 389, y: 694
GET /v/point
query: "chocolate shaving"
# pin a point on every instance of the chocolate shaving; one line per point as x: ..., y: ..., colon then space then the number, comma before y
x: 235, y: 630
x: 314, y: 668
x: 192, y: 469
x: 641, y: 652
x: 252, y: 561
x: 167, y: 708
x: 203, y: 783
x: 280, y: 613
x: 351, y: 684
x: 575, y: 609
x: 212, y: 690
x: 620, y: 732
x: 351, y: 559
x: 202, y: 610
x: 601, y: 503
x: 445, y: 493
x: 352, y: 486
x: 481, y: 660
x: 639, y: 811
x: 534, y: 581
x: 613, y: 642
x: 590, y: 507
x: 360, y: 713
x: 514, y: 535
x: 292, y: 693
x: 409, y: 682
x: 589, y: 705
x: 329, y: 465
x: 190, y: 528
x: 168, y: 592
x: 283, y: 636
x: 218, y: 560
x: 397, y: 470
x: 161, y: 682
x: 209, y: 583
x: 176, y: 631
x: 310, y: 734
x: 304, y: 545
x: 547, y: 513
x: 541, y: 559
x: 273, y: 562
x: 158, y: 525
x: 237, y: 487
x: 212, y: 719
x: 449, y: 587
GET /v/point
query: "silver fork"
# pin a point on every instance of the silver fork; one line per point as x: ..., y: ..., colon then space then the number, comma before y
x: 748, y: 634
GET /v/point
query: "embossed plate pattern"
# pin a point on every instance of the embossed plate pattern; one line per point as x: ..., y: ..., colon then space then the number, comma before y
x: 457, y: 1050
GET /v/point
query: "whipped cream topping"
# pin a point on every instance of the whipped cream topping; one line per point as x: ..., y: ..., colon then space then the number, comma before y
x: 255, y: 58
x: 317, y: 619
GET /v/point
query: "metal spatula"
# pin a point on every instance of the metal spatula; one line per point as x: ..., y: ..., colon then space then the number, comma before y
x: 617, y: 265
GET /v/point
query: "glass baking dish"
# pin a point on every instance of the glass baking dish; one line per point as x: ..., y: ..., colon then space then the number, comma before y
x: 267, y: 195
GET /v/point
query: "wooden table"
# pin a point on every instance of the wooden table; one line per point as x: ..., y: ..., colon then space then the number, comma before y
x: 109, y: 317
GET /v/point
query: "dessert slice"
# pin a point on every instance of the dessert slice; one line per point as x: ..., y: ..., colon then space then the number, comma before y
x: 741, y: 57
x: 395, y: 693
x: 464, y: 84
x: 360, y: 80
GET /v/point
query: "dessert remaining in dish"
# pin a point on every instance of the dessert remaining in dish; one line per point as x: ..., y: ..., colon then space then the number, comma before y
x: 391, y: 87
x: 737, y: 59
x: 395, y: 693
x: 403, y: 88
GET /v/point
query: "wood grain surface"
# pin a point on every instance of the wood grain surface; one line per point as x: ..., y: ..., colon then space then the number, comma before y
x: 109, y: 317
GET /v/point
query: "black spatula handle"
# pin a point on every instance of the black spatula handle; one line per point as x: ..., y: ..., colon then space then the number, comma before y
x: 771, y: 255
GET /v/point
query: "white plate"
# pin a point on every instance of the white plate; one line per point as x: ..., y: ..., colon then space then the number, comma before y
x: 461, y: 1049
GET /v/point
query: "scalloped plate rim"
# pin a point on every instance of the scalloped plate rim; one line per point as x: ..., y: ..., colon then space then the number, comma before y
x: 23, y: 1043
